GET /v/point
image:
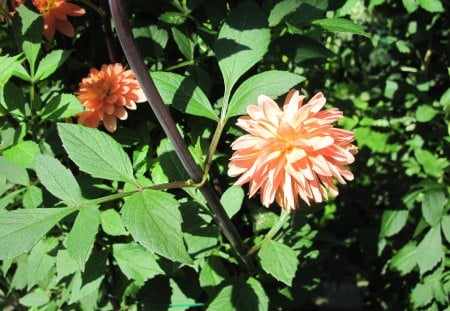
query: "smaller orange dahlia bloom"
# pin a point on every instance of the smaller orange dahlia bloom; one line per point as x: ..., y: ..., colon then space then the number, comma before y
x: 105, y: 94
x: 292, y: 152
x: 55, y: 14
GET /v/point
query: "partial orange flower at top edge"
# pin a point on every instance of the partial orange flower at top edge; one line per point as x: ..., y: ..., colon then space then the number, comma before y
x: 292, y: 152
x: 105, y: 93
x: 55, y: 14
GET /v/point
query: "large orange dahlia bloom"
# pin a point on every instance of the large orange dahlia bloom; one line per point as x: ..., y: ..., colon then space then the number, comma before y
x: 105, y: 94
x: 55, y: 14
x: 292, y: 152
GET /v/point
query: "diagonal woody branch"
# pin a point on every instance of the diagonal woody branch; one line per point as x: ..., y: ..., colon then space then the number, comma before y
x: 136, y: 63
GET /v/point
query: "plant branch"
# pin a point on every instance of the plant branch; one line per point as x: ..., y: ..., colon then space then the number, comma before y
x: 136, y: 63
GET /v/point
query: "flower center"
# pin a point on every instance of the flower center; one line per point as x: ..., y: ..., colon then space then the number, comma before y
x: 44, y: 6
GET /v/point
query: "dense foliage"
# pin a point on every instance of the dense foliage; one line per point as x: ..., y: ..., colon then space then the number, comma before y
x: 97, y: 220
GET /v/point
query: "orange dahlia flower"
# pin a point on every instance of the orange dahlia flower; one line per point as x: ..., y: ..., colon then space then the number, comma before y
x: 55, y: 14
x: 105, y: 93
x: 292, y: 152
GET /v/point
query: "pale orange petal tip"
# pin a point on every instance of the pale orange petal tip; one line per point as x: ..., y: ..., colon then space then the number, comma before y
x: 105, y: 94
x: 292, y: 152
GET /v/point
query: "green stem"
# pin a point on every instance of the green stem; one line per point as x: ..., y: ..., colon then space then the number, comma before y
x: 181, y: 65
x: 272, y: 232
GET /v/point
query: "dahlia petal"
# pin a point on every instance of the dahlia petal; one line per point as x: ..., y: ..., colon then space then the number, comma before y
x: 110, y: 122
x: 121, y: 113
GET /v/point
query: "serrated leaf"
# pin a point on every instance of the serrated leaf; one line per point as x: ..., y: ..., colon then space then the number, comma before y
x: 340, y: 25
x: 81, y: 237
x: 58, y: 180
x: 410, y: 5
x: 183, y: 94
x: 13, y: 173
x: 153, y: 219
x: 32, y: 197
x: 136, y: 262
x: 7, y: 66
x: 184, y: 43
x: 271, y: 83
x: 392, y: 222
x: 96, y: 153
x: 65, y: 265
x: 23, y: 154
x: 405, y: 259
x: 278, y: 260
x: 61, y: 107
x: 21, y: 229
x: 432, y: 6
x: 232, y: 199
x: 433, y: 206
x: 112, y: 223
x: 40, y: 263
x: 212, y: 273
x: 425, y: 113
x: 242, y: 42
x: 281, y: 10
x: 429, y: 251
x: 422, y: 295
x: 50, y: 63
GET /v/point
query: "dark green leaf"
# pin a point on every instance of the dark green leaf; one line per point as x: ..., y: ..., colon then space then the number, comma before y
x: 405, y: 259
x: 96, y: 153
x: 281, y: 10
x: 61, y: 107
x: 232, y: 199
x: 173, y: 18
x: 242, y: 42
x: 278, y: 260
x: 429, y: 251
x: 184, y: 43
x: 153, y: 219
x: 183, y: 94
x: 213, y: 272
x: 270, y: 83
x: 58, y: 180
x: 340, y: 25
x: 136, y: 262
x: 50, y: 63
x: 393, y: 221
x: 21, y: 229
x: 82, y: 235
x: 7, y: 66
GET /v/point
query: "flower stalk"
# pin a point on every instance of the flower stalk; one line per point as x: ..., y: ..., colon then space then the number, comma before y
x: 136, y: 63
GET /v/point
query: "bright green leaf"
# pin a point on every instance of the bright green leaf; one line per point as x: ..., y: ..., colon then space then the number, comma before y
x: 173, y: 18
x: 153, y: 219
x: 429, y: 251
x: 23, y: 154
x: 41, y: 263
x: 183, y: 94
x: 96, y: 153
x: 213, y: 272
x: 232, y: 199
x: 81, y: 237
x: 7, y: 66
x: 340, y: 25
x: 13, y: 173
x: 50, y: 63
x: 32, y: 197
x: 58, y: 180
x: 271, y: 83
x: 136, y: 262
x: 278, y: 260
x: 393, y: 221
x: 425, y: 113
x: 242, y: 42
x: 445, y: 224
x: 61, y: 107
x: 184, y: 43
x: 432, y: 6
x: 65, y: 265
x: 31, y: 26
x: 21, y: 229
x: 410, y: 5
x: 422, y: 295
x: 405, y: 259
x: 36, y: 298
x: 112, y: 223
x: 433, y: 204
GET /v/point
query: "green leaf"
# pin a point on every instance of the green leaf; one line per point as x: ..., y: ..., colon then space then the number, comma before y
x: 183, y: 94
x: 136, y: 262
x: 432, y: 165
x: 96, y: 153
x: 425, y: 113
x: 445, y: 224
x: 392, y: 222
x: 278, y: 260
x: 184, y: 43
x: 242, y: 42
x: 13, y: 173
x: 21, y: 229
x: 240, y: 295
x: 65, y: 265
x: 23, y: 154
x: 7, y: 66
x: 50, y: 63
x: 405, y: 259
x: 271, y: 83
x: 32, y: 197
x: 429, y: 251
x: 232, y: 199
x: 41, y: 263
x: 61, y: 107
x: 213, y: 272
x: 173, y: 18
x: 301, y: 49
x: 422, y: 295
x: 81, y: 238
x: 35, y: 299
x: 432, y: 6
x: 153, y: 219
x: 13, y: 99
x: 340, y: 25
x: 410, y: 5
x: 281, y: 10
x: 112, y: 223
x: 58, y: 180
x: 433, y: 204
